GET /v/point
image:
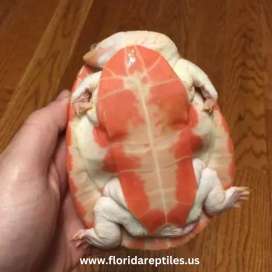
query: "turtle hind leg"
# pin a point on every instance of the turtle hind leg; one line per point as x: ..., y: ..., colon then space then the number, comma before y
x: 106, y: 233
x: 218, y: 199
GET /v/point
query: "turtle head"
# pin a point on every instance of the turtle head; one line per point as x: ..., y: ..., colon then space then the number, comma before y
x: 100, y: 53
x: 103, y: 51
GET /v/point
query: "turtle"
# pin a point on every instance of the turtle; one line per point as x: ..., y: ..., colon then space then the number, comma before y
x: 147, y: 166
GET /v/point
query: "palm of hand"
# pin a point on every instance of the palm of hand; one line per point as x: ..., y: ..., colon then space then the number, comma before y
x: 38, y: 218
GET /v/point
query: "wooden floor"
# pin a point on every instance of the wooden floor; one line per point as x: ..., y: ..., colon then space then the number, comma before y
x: 41, y: 49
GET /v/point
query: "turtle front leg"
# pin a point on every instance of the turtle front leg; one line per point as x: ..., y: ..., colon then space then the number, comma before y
x: 192, y: 76
x: 82, y: 97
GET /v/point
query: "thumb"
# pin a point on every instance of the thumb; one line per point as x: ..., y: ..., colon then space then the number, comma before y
x: 37, y: 139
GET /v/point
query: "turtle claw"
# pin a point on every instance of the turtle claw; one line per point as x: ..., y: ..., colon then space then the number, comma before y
x: 241, y: 194
x: 239, y: 202
x: 81, y: 239
x: 82, y: 103
x: 79, y: 235
x: 82, y: 107
x: 237, y: 205
x: 82, y: 244
x: 209, y: 111
x: 208, y: 105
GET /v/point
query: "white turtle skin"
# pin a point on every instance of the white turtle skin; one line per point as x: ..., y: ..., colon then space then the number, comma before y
x: 112, y: 201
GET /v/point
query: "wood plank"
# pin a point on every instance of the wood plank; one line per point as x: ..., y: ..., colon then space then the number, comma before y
x: 242, y: 100
x: 5, y: 96
x: 102, y: 21
x: 266, y: 21
x: 242, y: 96
x: 22, y: 24
x: 41, y: 79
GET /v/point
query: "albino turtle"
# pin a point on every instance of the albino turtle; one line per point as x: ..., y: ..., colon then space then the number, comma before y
x: 142, y: 157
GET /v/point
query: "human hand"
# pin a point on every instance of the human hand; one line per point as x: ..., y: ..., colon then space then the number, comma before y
x: 37, y: 215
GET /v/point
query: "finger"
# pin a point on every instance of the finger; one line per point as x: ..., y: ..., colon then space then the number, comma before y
x: 63, y: 95
x: 36, y: 140
x: 59, y: 159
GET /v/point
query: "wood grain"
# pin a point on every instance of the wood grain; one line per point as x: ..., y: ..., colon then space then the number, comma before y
x: 230, y: 40
x: 46, y: 66
x: 20, y: 34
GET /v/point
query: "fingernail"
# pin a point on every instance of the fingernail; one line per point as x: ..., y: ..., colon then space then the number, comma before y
x: 63, y: 95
